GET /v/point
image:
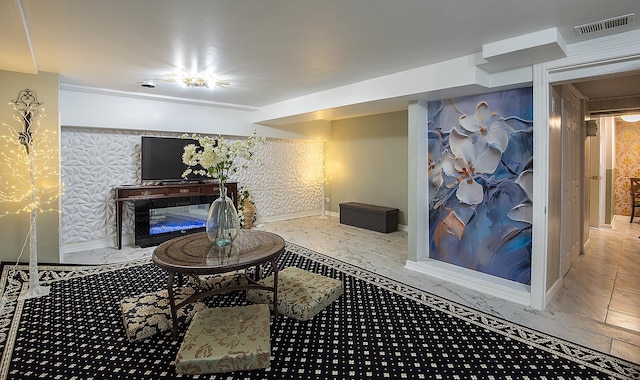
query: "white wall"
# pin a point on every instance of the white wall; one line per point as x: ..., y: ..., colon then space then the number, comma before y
x: 122, y: 111
x: 100, y: 137
x: 285, y: 180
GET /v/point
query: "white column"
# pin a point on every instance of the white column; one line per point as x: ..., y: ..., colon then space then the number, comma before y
x: 418, y: 217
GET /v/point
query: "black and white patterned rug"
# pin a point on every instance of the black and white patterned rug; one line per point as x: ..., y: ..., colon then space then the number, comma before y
x: 378, y: 328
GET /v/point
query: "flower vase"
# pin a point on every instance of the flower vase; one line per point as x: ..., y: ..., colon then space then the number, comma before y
x: 223, y: 223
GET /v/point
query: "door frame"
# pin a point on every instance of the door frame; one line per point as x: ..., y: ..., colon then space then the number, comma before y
x: 608, y: 55
x: 592, y: 150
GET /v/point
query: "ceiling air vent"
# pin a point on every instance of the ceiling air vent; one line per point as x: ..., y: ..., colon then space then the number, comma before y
x: 607, y: 24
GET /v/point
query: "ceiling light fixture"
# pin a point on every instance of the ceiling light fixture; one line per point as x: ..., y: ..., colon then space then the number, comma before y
x: 195, y: 81
x: 631, y: 118
x: 198, y: 80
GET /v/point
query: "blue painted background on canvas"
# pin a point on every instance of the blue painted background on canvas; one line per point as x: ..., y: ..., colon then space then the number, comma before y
x: 480, y: 182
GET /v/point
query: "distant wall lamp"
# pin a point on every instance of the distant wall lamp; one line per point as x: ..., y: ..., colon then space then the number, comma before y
x: 592, y: 128
x: 631, y: 118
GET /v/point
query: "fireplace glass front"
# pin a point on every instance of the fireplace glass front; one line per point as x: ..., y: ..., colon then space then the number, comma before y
x: 179, y: 218
x: 159, y: 220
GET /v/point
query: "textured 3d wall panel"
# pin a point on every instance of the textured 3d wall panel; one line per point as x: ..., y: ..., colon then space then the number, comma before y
x: 285, y: 178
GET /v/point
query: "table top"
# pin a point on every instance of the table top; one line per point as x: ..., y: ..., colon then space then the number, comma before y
x: 195, y: 253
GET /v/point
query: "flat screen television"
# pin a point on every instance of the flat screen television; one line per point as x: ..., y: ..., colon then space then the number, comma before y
x: 161, y: 160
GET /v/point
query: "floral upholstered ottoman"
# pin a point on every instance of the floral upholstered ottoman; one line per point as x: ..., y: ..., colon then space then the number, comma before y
x: 148, y: 314
x: 301, y: 294
x: 226, y: 339
x: 220, y: 281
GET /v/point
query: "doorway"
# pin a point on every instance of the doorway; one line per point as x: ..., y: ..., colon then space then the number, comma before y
x: 601, y: 284
x: 621, y: 56
x: 607, y: 97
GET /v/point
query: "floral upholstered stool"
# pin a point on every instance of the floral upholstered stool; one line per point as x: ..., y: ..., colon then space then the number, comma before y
x: 220, y: 281
x: 226, y: 339
x: 301, y: 294
x: 148, y: 314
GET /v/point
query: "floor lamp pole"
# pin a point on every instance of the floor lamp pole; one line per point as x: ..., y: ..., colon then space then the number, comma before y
x: 35, y: 290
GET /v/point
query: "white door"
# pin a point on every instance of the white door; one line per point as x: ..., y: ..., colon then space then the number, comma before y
x: 572, y: 223
x: 593, y: 179
x: 554, y: 245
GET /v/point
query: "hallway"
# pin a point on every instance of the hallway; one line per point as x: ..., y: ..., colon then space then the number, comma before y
x: 604, y: 283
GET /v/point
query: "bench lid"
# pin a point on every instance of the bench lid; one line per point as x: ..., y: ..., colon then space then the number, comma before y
x: 367, y: 207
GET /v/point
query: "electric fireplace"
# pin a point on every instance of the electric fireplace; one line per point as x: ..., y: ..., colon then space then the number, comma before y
x: 162, y: 219
x: 166, y: 224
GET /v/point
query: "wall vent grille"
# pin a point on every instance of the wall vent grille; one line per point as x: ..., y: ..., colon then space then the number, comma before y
x: 607, y: 24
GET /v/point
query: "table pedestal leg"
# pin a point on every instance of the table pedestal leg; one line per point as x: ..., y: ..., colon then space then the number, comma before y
x: 275, y: 288
x: 172, y: 305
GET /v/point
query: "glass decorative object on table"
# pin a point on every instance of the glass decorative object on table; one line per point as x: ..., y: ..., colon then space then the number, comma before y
x: 223, y: 255
x: 223, y: 223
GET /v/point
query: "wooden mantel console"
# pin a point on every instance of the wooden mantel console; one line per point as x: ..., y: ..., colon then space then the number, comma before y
x: 147, y: 192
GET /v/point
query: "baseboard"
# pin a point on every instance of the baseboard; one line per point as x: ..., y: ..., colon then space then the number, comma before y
x: 95, y: 244
x: 617, y: 218
x: 295, y: 215
x: 491, y: 285
x: 334, y: 214
x: 553, y: 291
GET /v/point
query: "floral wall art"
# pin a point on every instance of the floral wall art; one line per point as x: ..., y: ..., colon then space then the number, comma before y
x: 480, y: 182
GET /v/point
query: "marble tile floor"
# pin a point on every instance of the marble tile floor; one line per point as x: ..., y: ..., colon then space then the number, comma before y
x: 598, y: 305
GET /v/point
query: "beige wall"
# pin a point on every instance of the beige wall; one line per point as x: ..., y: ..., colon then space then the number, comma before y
x: 366, y: 161
x: 627, y: 156
x: 15, y: 228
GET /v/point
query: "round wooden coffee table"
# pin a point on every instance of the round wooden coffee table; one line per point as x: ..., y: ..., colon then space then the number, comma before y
x: 194, y: 255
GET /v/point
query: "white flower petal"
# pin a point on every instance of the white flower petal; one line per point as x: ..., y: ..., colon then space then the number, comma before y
x: 483, y: 113
x: 522, y: 213
x: 487, y: 162
x: 437, y: 180
x: 469, y: 123
x: 470, y: 192
x: 525, y: 180
x: 497, y: 137
x: 449, y: 165
x: 461, y: 146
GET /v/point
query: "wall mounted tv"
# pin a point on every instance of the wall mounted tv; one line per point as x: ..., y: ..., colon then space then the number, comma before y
x: 161, y: 159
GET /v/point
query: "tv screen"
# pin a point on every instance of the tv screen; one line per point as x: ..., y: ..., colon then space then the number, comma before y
x: 161, y: 159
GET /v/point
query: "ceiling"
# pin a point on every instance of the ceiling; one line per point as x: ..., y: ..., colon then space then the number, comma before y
x: 610, y: 87
x: 269, y: 50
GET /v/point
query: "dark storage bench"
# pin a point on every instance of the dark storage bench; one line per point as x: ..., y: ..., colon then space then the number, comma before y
x: 376, y: 218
